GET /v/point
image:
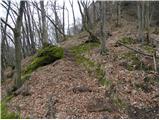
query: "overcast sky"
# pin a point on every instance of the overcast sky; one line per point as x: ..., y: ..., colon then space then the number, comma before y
x: 59, y: 2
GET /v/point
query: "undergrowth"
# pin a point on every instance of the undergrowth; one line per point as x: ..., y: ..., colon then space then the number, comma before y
x: 134, y: 62
x: 91, y: 66
x: 127, y: 40
x: 5, y: 113
x: 149, y: 49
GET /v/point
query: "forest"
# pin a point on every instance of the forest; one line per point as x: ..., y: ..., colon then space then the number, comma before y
x: 79, y: 59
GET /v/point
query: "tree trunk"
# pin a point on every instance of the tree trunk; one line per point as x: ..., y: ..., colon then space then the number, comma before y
x: 148, y: 21
x: 102, y: 26
x: 56, y: 22
x: 142, y: 17
x: 118, y: 13
x: 140, y: 13
x: 33, y: 49
x: 17, y: 38
x: 68, y: 31
x: 83, y: 17
x: 44, y: 27
x: 4, y: 38
x: 74, y: 20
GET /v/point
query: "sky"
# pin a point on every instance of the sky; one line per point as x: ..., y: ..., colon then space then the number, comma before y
x: 59, y: 2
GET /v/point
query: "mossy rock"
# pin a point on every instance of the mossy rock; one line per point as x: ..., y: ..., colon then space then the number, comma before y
x: 127, y: 40
x: 45, y: 56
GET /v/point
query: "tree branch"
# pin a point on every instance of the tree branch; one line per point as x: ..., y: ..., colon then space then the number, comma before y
x: 50, y: 20
x: 7, y: 24
x: 140, y: 52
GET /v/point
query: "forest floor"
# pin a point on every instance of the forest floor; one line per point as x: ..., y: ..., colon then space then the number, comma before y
x: 68, y: 89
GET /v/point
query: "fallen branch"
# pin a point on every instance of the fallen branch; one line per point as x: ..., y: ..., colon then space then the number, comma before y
x: 140, y: 52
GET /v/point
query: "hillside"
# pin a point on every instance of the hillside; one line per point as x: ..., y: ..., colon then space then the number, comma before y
x: 104, y: 66
x: 72, y: 88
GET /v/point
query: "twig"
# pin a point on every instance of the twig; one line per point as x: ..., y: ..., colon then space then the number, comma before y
x: 140, y: 52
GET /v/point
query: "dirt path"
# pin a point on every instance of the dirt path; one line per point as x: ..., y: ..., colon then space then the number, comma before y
x: 67, y: 83
x: 72, y: 89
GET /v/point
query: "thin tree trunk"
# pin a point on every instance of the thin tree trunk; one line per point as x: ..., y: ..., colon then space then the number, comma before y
x: 148, y: 21
x: 30, y: 29
x: 63, y: 17
x: 68, y: 31
x: 4, y: 37
x: 74, y: 20
x: 44, y: 27
x: 102, y: 26
x: 142, y: 17
x: 17, y: 38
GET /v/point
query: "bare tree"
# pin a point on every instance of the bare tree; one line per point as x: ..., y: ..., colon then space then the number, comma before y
x: 140, y: 13
x: 56, y: 21
x: 44, y: 27
x: 118, y: 5
x: 63, y: 17
x: 4, y: 38
x: 74, y: 19
x: 33, y: 49
x: 17, y: 38
x: 68, y: 30
x: 103, y: 26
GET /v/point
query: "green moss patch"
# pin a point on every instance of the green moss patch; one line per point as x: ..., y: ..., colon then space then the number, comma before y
x: 127, y: 40
x: 5, y: 113
x: 91, y: 66
x: 148, y: 48
x: 44, y: 57
x: 83, y: 48
x: 119, y: 103
x: 132, y: 60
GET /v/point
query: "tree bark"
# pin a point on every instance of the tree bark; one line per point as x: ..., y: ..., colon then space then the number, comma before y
x: 33, y: 49
x: 44, y: 27
x: 17, y: 38
x: 74, y: 20
x: 4, y: 38
x: 148, y: 21
x: 102, y: 26
x: 118, y: 13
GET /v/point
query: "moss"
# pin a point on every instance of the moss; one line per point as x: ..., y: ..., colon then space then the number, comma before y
x: 149, y: 49
x: 25, y: 77
x: 127, y: 40
x: 83, y: 48
x: 118, y: 102
x: 133, y: 61
x: 5, y: 113
x: 44, y: 57
x: 91, y: 66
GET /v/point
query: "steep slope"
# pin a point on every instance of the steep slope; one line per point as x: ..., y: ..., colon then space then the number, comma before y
x: 65, y: 89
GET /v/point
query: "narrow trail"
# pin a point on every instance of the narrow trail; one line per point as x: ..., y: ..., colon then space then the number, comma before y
x: 67, y: 83
x: 76, y: 94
